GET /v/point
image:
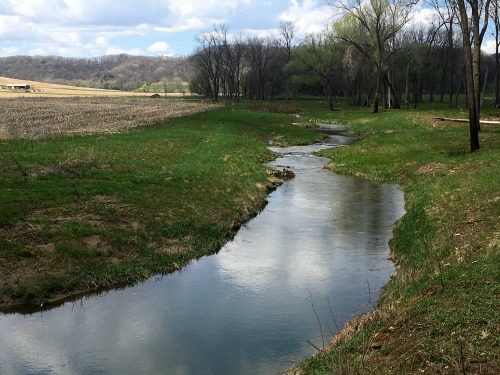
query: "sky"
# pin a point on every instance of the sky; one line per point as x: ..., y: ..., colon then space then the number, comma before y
x: 94, y: 28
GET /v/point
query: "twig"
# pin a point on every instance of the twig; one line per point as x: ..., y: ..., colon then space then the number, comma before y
x: 319, y: 321
x: 466, y: 120
x: 24, y: 172
x: 314, y: 346
x: 333, y: 316
x: 462, y: 357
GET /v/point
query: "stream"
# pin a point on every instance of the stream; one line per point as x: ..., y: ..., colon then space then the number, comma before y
x: 292, y: 276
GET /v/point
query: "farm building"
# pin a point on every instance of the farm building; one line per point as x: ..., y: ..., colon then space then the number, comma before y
x: 18, y: 86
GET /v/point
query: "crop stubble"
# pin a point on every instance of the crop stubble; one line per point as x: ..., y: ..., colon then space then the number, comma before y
x: 37, y: 118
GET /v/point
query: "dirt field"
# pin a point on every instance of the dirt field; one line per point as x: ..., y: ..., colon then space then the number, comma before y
x: 42, y: 117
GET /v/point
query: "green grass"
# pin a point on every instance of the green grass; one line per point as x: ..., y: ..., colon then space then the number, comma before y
x: 102, y: 210
x: 439, y: 313
x: 82, y: 213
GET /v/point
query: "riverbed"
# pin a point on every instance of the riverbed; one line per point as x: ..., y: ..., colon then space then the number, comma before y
x: 314, y: 257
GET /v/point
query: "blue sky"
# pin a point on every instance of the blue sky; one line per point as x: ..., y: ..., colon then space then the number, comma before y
x: 90, y: 28
x: 93, y: 28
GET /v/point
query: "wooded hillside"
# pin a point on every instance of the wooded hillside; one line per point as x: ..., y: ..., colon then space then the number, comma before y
x: 117, y: 72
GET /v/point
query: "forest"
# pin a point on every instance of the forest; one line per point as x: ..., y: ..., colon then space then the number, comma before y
x: 371, y: 49
x: 373, y: 53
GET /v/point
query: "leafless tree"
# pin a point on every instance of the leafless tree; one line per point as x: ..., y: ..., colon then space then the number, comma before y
x: 474, y: 17
x: 287, y: 32
x: 208, y: 58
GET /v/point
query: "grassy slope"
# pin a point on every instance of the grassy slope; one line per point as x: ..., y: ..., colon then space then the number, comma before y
x: 439, y: 314
x: 80, y: 213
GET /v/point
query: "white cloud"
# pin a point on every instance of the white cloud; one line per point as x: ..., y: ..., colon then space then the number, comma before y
x: 9, y: 51
x: 489, y: 46
x: 101, y: 41
x: 161, y: 48
x: 97, y: 27
x: 310, y: 17
x: 115, y: 50
x: 185, y: 25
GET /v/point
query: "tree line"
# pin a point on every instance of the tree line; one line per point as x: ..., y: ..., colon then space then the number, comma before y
x: 371, y: 54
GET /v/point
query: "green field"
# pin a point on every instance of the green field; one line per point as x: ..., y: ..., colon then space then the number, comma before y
x: 87, y: 212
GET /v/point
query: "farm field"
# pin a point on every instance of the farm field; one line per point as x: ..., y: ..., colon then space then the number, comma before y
x: 42, y: 89
x: 38, y: 117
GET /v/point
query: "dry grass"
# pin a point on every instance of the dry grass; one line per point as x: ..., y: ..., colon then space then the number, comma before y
x: 37, y: 118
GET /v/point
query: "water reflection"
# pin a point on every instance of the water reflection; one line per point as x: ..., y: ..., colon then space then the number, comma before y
x: 319, y: 246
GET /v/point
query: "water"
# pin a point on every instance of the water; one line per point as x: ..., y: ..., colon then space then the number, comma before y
x: 314, y: 257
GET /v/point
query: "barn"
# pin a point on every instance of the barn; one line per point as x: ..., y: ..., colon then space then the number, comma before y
x: 18, y: 86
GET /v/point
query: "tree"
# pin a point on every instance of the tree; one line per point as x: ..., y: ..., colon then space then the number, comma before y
x: 474, y: 16
x: 356, y: 68
x: 287, y: 33
x: 495, y: 16
x: 447, y: 14
x: 208, y: 58
x: 263, y: 59
x: 319, y: 57
x: 234, y: 66
x: 418, y: 46
x: 370, y: 27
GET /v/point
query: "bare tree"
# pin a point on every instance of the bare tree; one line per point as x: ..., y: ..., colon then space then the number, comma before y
x: 262, y: 55
x: 208, y: 58
x: 418, y: 46
x: 448, y: 15
x: 234, y: 66
x: 287, y: 32
x: 474, y: 16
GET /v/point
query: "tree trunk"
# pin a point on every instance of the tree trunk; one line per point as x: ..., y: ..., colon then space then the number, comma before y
x: 407, y: 83
x: 485, y: 82
x: 496, y: 99
x: 394, y: 98
x: 451, y: 65
x: 375, y: 97
x: 471, y: 70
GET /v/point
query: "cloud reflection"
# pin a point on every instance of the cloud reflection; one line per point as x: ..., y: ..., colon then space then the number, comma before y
x: 318, y: 243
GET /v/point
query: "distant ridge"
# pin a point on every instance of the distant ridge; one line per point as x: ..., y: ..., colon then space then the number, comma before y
x: 119, y: 72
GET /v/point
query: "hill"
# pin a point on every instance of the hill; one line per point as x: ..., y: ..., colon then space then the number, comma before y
x: 118, y: 72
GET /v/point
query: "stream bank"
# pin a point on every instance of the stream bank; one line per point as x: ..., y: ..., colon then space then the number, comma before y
x: 314, y: 257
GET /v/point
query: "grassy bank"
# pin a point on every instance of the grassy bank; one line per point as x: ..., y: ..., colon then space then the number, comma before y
x: 440, y: 312
x: 80, y: 213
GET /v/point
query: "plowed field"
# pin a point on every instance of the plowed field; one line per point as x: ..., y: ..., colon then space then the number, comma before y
x: 43, y: 117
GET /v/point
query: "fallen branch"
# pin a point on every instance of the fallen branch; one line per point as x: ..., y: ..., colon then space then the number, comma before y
x: 466, y: 120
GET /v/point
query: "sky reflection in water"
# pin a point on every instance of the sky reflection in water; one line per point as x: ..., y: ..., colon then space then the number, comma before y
x: 320, y: 246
